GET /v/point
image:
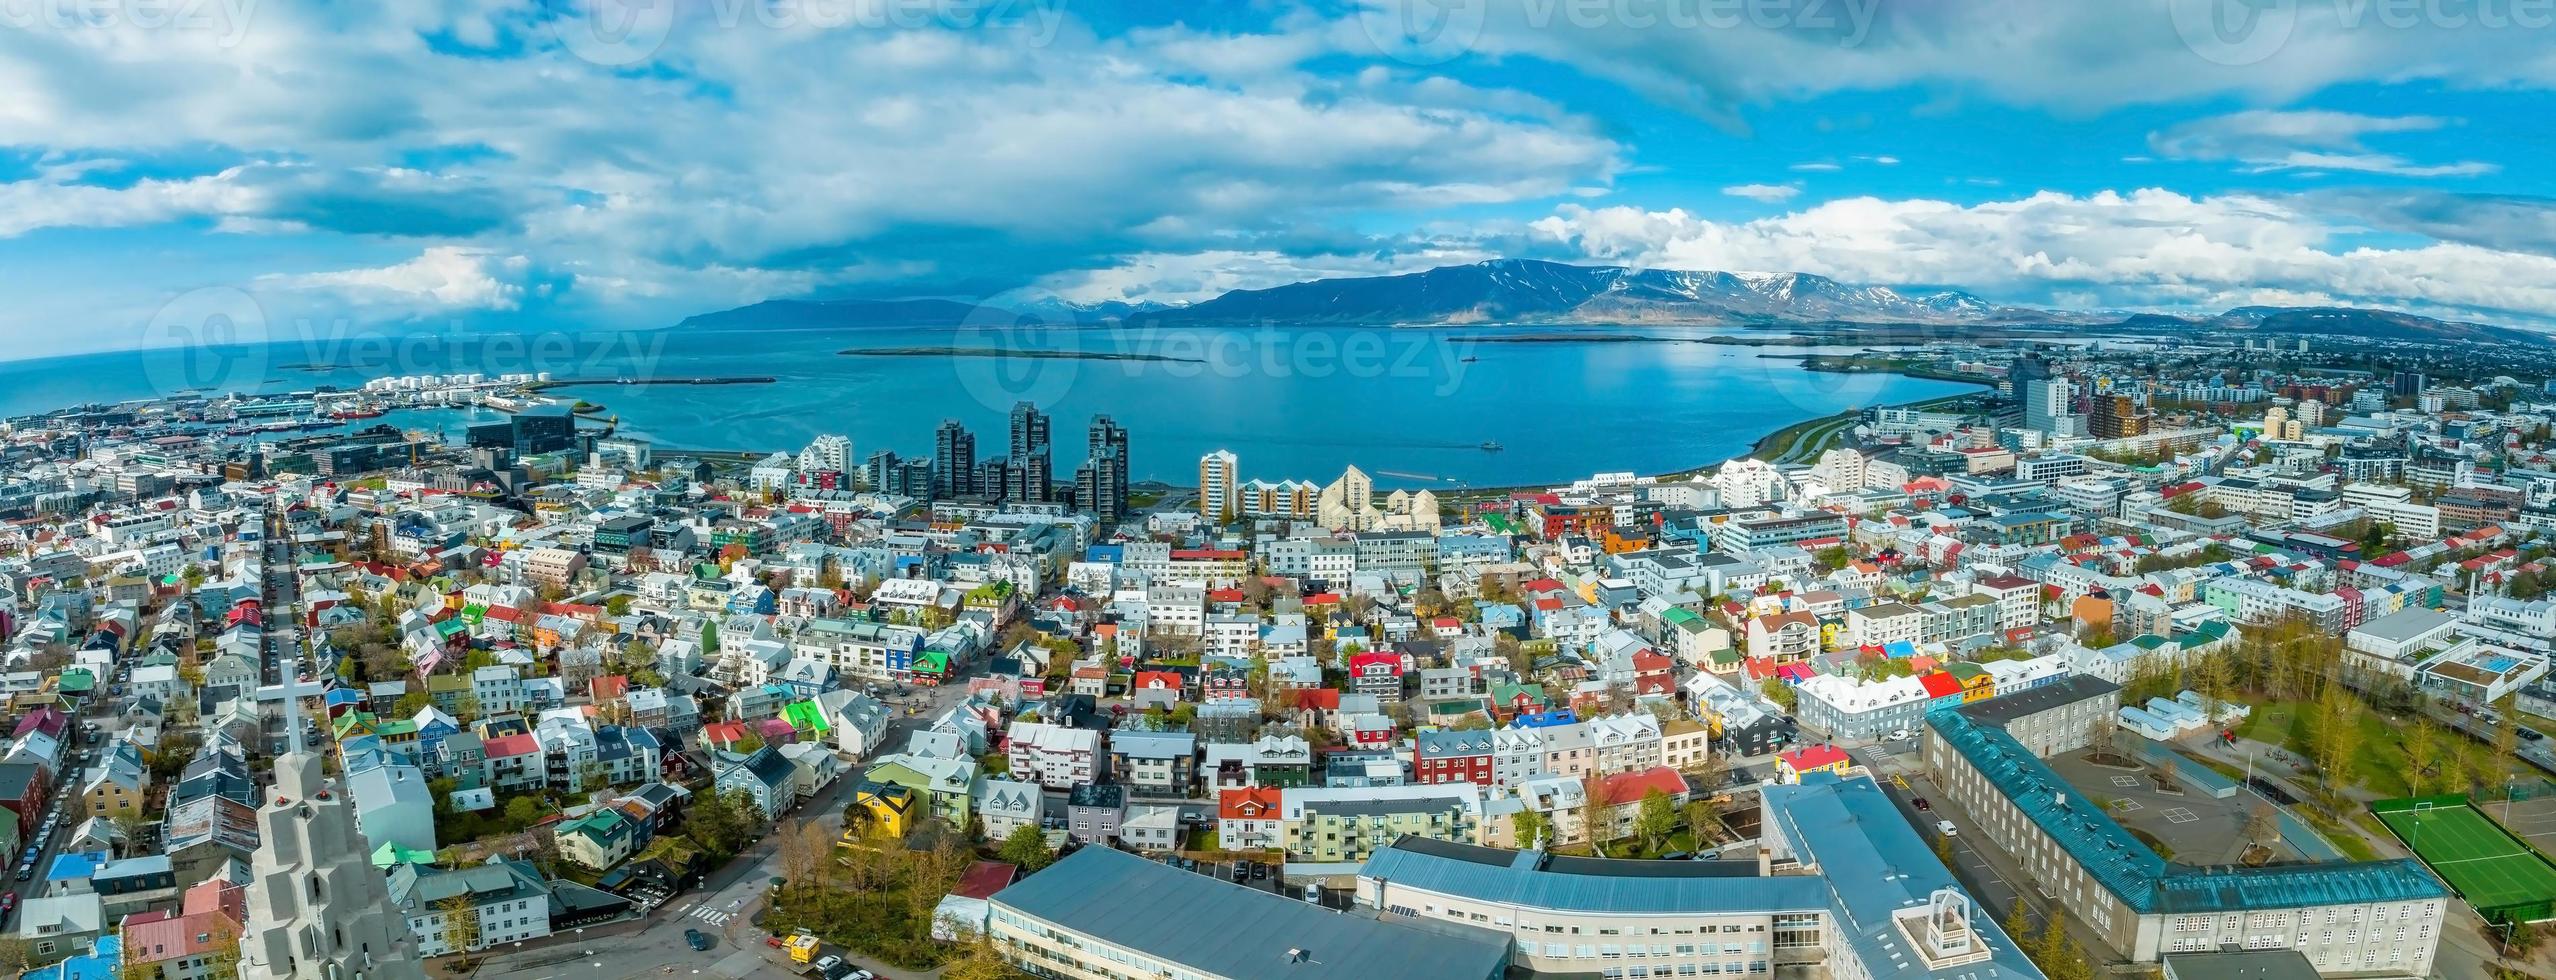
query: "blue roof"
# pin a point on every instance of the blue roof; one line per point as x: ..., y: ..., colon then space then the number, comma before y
x: 1214, y: 927
x: 1531, y: 879
x: 1859, y: 840
x: 2148, y: 884
x: 104, y: 961
x: 76, y: 864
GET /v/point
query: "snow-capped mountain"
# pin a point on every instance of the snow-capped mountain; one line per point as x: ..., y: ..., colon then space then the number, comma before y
x: 1528, y: 290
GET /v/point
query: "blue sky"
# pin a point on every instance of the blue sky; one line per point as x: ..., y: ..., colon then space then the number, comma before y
x: 565, y: 164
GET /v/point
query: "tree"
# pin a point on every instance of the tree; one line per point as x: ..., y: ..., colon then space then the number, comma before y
x: 2262, y: 824
x: 2338, y: 738
x: 2018, y: 923
x: 979, y: 960
x: 2507, y: 728
x: 1779, y: 692
x: 1704, y: 823
x: 461, y: 922
x: 1531, y: 828
x: 2099, y: 735
x: 2422, y: 755
x: 1594, y: 813
x: 522, y: 812
x: 1655, y: 819
x: 1026, y: 847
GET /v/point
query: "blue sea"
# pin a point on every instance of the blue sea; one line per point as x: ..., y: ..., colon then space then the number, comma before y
x: 1411, y: 406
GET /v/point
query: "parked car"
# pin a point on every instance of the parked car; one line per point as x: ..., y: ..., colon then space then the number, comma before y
x: 1946, y: 828
x: 695, y: 939
x: 1923, y: 803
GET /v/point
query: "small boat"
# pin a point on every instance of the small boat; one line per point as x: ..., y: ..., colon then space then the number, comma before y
x: 1469, y: 359
x: 1490, y: 447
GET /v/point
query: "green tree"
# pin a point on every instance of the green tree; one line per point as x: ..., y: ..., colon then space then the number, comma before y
x: 523, y: 811
x: 1779, y: 692
x: 1655, y: 819
x: 461, y: 922
x: 1026, y: 847
x: 2507, y: 726
x: 1531, y: 828
x: 2018, y: 923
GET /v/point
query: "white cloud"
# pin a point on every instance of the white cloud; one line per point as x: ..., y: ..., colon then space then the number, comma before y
x: 2145, y: 248
x: 2264, y: 140
x: 758, y: 156
x: 1767, y: 193
x: 2078, y: 58
x: 443, y: 278
x: 1815, y: 167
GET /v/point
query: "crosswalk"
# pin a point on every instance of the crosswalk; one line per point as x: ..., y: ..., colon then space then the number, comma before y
x: 711, y: 914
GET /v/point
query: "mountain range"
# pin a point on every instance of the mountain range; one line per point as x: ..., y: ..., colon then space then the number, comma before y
x: 1531, y: 291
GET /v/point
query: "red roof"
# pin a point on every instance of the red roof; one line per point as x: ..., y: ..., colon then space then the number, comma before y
x: 508, y: 746
x: 1811, y: 757
x: 1248, y: 803
x: 1940, y: 685
x: 1631, y: 787
x: 1225, y: 595
x: 1324, y: 698
x: 1164, y: 679
x: 983, y: 879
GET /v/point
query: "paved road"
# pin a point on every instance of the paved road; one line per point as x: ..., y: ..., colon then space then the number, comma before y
x: 724, y: 909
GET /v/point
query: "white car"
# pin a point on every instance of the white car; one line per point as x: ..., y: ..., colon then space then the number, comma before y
x: 1897, y: 734
x: 1946, y: 828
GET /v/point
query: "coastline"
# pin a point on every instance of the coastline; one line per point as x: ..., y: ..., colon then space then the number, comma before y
x: 1787, y: 444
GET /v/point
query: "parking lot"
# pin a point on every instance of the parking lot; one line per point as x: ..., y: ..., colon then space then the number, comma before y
x: 1260, y: 876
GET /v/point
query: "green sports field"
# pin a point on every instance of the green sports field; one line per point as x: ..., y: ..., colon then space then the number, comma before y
x: 2488, y: 866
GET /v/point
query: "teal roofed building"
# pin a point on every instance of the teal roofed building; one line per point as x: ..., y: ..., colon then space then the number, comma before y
x: 2368, y: 917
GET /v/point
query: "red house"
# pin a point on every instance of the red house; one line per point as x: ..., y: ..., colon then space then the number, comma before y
x: 1452, y: 757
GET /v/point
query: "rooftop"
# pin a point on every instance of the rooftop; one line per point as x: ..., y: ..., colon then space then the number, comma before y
x: 1217, y: 928
x: 1535, y: 879
x: 2127, y: 868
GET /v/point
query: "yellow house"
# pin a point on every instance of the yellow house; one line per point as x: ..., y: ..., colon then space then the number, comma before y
x: 112, y: 794
x: 1977, y: 684
x: 891, y: 809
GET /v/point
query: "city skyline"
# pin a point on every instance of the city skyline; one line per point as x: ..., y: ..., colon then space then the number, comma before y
x: 409, y: 172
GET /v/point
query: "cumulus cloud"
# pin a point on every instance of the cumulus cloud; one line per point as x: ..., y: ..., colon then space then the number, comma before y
x: 440, y: 279
x: 768, y: 155
x: 2078, y: 58
x: 2142, y: 249
x: 1768, y: 193
x: 2266, y: 140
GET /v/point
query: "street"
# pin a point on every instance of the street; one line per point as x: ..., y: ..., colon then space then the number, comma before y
x: 725, y: 906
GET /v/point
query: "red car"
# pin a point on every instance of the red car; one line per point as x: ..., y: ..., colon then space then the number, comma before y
x: 8, y: 904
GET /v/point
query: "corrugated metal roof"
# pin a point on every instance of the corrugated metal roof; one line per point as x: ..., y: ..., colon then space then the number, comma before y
x: 1524, y: 884
x: 1222, y: 929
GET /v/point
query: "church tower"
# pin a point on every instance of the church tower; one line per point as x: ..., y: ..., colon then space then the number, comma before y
x: 317, y: 910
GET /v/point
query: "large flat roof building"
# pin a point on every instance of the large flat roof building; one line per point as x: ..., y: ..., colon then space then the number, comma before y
x: 1101, y: 914
x: 2345, y: 917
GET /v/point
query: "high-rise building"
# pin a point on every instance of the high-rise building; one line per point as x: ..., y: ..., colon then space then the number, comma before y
x: 1100, y: 484
x: 317, y: 909
x: 2406, y: 384
x: 826, y: 454
x: 994, y: 477
x: 953, y: 460
x: 2115, y: 417
x: 881, y: 469
x: 1034, y: 476
x: 1218, y: 476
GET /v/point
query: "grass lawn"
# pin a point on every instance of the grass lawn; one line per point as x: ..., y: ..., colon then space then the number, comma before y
x: 2379, y: 767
